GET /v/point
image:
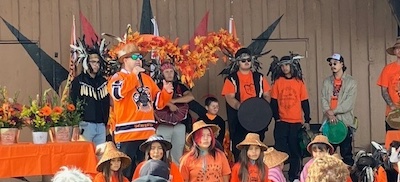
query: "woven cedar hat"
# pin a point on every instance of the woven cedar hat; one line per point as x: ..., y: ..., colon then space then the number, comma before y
x: 251, y: 139
x: 273, y: 158
x: 111, y: 152
x: 390, y: 50
x: 199, y: 125
x: 393, y: 119
x: 155, y: 138
x: 323, y: 140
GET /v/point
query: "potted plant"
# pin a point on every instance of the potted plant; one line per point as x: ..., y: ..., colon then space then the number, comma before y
x: 10, y: 123
x: 40, y: 116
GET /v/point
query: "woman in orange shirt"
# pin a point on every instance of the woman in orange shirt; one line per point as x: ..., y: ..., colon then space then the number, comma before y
x: 250, y: 166
x: 156, y: 148
x: 204, y: 162
x: 111, y: 165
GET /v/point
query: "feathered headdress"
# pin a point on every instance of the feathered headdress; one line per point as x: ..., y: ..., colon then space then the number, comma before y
x: 241, y: 54
x: 293, y: 59
x: 83, y: 51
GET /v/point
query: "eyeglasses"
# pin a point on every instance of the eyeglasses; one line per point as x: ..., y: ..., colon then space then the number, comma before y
x: 245, y: 60
x: 136, y: 57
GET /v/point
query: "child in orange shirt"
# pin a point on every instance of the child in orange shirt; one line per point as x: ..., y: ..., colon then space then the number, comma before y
x: 250, y: 166
x: 156, y: 148
x: 204, y: 162
x: 111, y: 165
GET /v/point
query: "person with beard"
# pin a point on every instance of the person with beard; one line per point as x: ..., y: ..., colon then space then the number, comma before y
x: 90, y: 87
x: 241, y: 84
x: 338, y: 97
x: 389, y: 82
x: 289, y: 98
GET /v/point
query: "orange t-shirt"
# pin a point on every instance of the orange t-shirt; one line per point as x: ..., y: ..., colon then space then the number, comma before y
x: 133, y: 120
x: 100, y: 178
x: 253, y: 173
x: 246, y: 84
x: 390, y: 78
x: 173, y: 171
x: 289, y: 93
x: 337, y: 84
x: 204, y: 168
x: 381, y: 175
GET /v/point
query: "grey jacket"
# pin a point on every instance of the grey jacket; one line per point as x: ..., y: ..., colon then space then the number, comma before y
x: 346, y: 99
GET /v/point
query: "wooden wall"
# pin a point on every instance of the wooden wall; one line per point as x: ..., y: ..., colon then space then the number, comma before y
x: 360, y: 30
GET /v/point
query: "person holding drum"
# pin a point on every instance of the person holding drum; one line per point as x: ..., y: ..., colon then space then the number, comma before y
x: 338, y: 97
x: 289, y: 98
x: 243, y: 82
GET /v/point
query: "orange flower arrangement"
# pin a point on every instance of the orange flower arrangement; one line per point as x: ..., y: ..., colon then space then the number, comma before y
x: 72, y: 114
x: 10, y: 111
x: 42, y: 113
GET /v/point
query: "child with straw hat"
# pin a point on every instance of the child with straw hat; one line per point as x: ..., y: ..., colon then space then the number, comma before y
x: 250, y: 166
x: 111, y: 165
x: 275, y: 160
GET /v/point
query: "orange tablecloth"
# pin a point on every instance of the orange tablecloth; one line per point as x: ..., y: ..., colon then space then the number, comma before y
x: 27, y: 159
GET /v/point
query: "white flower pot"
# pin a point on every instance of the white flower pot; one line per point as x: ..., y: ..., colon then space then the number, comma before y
x: 39, y: 137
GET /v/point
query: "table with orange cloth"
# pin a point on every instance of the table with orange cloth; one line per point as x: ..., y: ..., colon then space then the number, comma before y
x: 27, y: 159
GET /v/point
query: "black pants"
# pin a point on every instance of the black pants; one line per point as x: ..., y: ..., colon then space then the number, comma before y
x: 287, y: 140
x: 238, y: 136
x: 131, y: 149
x: 346, y: 148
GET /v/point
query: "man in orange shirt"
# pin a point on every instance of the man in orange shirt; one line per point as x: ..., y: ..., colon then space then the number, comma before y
x: 241, y: 84
x: 288, y: 99
x: 134, y: 93
x: 389, y: 81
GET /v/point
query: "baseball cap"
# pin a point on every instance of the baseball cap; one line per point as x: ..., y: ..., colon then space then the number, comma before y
x: 336, y: 56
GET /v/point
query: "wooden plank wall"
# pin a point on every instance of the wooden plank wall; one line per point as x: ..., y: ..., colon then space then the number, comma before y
x: 360, y: 30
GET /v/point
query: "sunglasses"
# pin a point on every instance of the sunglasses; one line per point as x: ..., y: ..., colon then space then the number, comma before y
x: 334, y: 64
x: 136, y: 57
x: 245, y: 60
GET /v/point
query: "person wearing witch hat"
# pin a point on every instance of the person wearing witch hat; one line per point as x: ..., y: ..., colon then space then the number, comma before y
x: 389, y: 83
x: 243, y: 82
x: 338, y: 98
x: 134, y: 94
x: 111, y: 165
x: 289, y: 99
x: 90, y: 87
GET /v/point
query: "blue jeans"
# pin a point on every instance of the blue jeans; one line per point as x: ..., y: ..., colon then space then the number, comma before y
x: 94, y: 132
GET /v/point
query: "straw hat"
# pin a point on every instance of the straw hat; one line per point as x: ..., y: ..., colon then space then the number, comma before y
x: 273, y: 158
x: 199, y: 125
x: 252, y: 139
x: 320, y: 139
x: 111, y: 152
x: 155, y: 138
x: 393, y: 119
x: 390, y: 50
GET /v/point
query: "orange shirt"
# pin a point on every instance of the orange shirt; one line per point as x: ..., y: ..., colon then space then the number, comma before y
x: 253, y: 173
x: 381, y: 175
x: 246, y: 84
x: 289, y: 93
x: 173, y: 171
x: 205, y: 168
x: 337, y: 84
x: 390, y: 78
x: 100, y: 178
x: 133, y: 120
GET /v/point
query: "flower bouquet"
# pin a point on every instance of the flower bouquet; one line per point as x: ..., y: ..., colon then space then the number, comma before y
x: 10, y: 123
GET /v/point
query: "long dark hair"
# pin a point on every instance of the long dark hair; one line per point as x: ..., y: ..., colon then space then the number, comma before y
x: 165, y: 158
x: 244, y: 162
x: 107, y: 171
